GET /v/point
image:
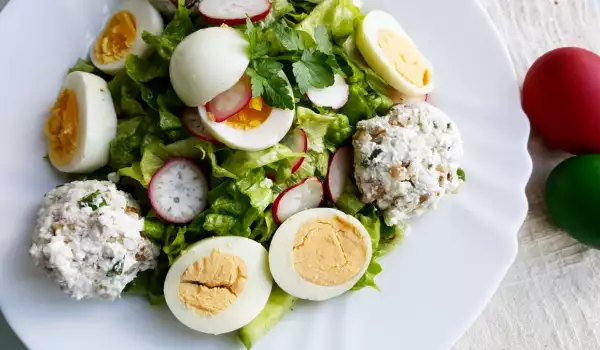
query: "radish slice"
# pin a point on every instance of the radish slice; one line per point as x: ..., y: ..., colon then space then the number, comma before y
x: 228, y: 103
x: 334, y: 96
x: 233, y: 12
x: 307, y: 194
x: 178, y: 191
x: 193, y: 123
x: 340, y: 172
x: 297, y: 142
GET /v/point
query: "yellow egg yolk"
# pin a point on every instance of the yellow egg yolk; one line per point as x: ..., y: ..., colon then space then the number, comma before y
x: 252, y: 116
x: 211, y: 284
x: 62, y: 128
x: 405, y: 57
x: 117, y: 39
x: 329, y: 251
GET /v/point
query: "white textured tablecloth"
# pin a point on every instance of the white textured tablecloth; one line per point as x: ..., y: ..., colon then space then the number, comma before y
x: 550, y: 299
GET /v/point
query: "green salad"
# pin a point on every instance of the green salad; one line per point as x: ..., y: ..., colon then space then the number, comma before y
x: 297, y: 37
x: 236, y: 126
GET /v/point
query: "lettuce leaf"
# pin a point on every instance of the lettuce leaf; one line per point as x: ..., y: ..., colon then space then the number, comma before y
x: 238, y: 207
x: 154, y: 155
x: 337, y: 16
x: 281, y: 8
x: 349, y: 202
x: 178, y: 28
x: 384, y: 239
x: 373, y: 225
x: 143, y: 70
x: 242, y: 162
x: 174, y: 242
x: 83, y: 66
x: 324, y: 131
x: 154, y: 229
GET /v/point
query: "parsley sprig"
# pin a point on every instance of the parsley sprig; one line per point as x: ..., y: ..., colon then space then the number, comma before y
x: 278, y: 48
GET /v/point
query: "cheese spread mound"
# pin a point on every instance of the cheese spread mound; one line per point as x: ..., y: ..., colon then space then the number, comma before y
x: 89, y: 239
x: 407, y: 161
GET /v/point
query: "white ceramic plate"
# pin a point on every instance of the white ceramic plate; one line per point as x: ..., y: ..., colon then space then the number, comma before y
x: 432, y: 288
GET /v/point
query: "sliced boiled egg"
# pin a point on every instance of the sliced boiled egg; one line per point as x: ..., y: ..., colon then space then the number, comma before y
x: 256, y: 126
x: 122, y: 35
x: 392, y: 54
x: 207, y: 63
x: 82, y: 124
x: 219, y: 284
x: 319, y: 253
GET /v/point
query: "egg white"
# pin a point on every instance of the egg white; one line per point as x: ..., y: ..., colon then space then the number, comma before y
x: 97, y: 122
x: 281, y: 261
x: 269, y: 133
x: 147, y: 18
x: 207, y: 63
x: 245, y: 307
x: 367, y: 41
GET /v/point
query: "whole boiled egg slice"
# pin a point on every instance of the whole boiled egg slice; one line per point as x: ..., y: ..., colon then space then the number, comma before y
x: 207, y: 71
x: 207, y: 63
x: 256, y: 126
x: 219, y: 284
x: 122, y: 35
x: 319, y: 253
x: 392, y: 54
x: 82, y: 124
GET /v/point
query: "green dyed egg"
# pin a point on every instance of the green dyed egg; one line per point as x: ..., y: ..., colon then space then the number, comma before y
x: 573, y: 197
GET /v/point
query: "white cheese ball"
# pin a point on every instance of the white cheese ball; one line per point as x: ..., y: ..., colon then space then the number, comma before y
x: 407, y: 161
x: 88, y: 239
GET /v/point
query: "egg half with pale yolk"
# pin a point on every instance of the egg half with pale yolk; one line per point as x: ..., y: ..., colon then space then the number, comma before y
x: 320, y: 253
x: 122, y: 35
x: 392, y: 54
x: 219, y: 284
x: 82, y: 124
x: 208, y: 66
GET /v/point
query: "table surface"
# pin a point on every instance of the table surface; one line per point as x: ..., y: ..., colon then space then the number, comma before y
x: 550, y: 299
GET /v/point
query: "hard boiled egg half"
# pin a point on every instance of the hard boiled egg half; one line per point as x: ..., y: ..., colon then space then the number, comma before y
x: 392, y: 54
x: 122, y: 35
x: 219, y: 284
x: 82, y: 124
x: 207, y: 71
x: 319, y: 253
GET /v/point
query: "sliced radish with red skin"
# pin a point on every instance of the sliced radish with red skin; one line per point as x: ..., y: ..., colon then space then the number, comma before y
x: 297, y: 141
x: 178, y: 191
x: 307, y: 194
x: 193, y: 123
x: 334, y: 96
x: 233, y: 12
x: 340, y: 172
x: 230, y: 102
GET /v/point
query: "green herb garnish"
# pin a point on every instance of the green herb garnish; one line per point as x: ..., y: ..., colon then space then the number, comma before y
x: 461, y: 174
x: 93, y: 200
x: 117, y: 268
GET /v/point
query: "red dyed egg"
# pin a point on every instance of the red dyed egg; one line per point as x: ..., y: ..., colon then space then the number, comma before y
x: 561, y: 96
